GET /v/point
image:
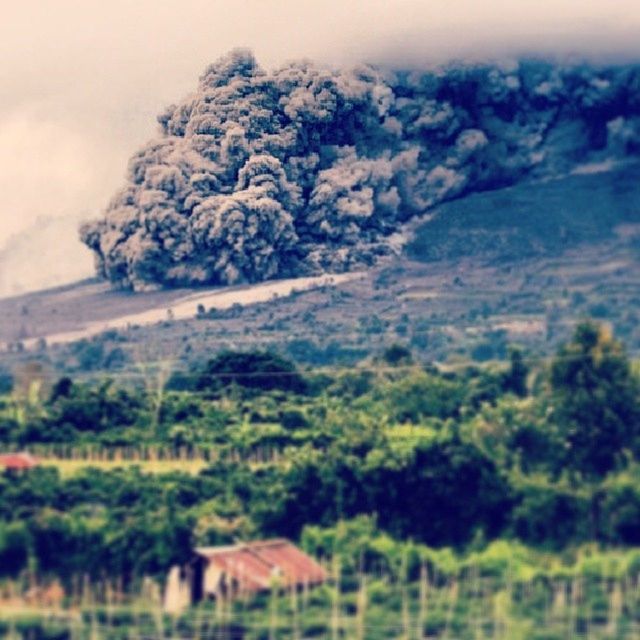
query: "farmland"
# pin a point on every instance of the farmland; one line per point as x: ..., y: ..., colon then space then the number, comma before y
x: 441, y: 501
x: 413, y: 427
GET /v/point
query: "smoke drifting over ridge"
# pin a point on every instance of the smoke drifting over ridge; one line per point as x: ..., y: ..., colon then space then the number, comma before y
x: 260, y: 175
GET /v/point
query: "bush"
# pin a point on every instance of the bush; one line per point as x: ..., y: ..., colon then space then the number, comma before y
x: 14, y: 548
x: 6, y: 381
x: 419, y: 395
x: 258, y: 370
x: 621, y: 511
x: 293, y: 419
x: 547, y: 515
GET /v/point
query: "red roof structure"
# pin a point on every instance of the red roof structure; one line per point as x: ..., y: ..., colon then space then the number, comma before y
x: 18, y: 461
x: 259, y: 566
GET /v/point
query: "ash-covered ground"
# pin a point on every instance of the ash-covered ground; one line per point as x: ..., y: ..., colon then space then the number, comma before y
x: 302, y: 170
x: 519, y: 265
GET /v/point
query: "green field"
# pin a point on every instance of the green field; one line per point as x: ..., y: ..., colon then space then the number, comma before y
x: 505, y: 592
x: 71, y: 467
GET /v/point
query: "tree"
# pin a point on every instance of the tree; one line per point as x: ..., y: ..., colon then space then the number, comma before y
x: 14, y: 548
x: 397, y: 355
x: 515, y: 379
x: 596, y: 402
x: 550, y: 515
x: 443, y: 493
x: 597, y: 408
x: 6, y: 380
x: 419, y: 395
x: 621, y: 509
x: 61, y: 389
x: 254, y: 370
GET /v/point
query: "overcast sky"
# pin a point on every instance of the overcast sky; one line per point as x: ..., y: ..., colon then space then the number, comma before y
x: 82, y: 80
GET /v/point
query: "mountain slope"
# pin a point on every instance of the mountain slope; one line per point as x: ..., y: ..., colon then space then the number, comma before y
x: 481, y: 273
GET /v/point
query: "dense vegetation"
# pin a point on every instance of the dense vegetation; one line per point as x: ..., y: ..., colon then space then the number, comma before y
x: 529, y: 472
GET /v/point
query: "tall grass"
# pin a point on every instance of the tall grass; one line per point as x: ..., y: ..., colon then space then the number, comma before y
x: 592, y: 600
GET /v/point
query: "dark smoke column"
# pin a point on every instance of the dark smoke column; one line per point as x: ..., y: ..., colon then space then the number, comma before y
x: 263, y: 175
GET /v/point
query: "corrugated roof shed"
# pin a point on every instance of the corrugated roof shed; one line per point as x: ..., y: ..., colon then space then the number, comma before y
x: 18, y: 461
x: 255, y: 565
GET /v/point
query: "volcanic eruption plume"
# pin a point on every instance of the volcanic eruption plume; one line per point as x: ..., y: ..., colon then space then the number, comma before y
x: 305, y: 169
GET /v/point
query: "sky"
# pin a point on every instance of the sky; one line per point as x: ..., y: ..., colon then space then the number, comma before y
x: 81, y: 82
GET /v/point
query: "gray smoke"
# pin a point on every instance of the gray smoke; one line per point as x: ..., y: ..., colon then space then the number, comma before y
x: 260, y: 175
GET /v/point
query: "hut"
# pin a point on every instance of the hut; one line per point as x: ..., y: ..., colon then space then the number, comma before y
x: 231, y: 571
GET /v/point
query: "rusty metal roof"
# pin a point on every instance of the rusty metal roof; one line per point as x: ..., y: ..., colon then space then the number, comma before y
x: 18, y: 461
x: 255, y: 566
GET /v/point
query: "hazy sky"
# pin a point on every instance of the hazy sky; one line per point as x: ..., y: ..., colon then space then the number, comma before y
x: 82, y: 80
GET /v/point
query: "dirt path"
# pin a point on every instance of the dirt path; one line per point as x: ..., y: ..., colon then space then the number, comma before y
x: 187, y: 306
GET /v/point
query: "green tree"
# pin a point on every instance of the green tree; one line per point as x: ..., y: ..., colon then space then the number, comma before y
x: 6, y: 380
x: 419, y: 395
x: 441, y: 493
x: 596, y: 401
x: 397, y: 355
x: 550, y: 515
x: 515, y: 379
x: 252, y: 369
x: 597, y: 410
x: 14, y: 548
x: 621, y: 509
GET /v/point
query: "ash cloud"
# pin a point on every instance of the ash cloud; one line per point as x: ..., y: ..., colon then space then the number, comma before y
x: 259, y: 175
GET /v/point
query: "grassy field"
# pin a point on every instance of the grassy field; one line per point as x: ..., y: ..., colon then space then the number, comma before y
x: 70, y: 467
x: 478, y: 606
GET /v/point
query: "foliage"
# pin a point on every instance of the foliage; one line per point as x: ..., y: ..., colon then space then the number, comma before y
x: 419, y: 395
x: 414, y: 456
x: 515, y: 380
x: 6, y: 381
x: 598, y: 401
x: 252, y: 370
